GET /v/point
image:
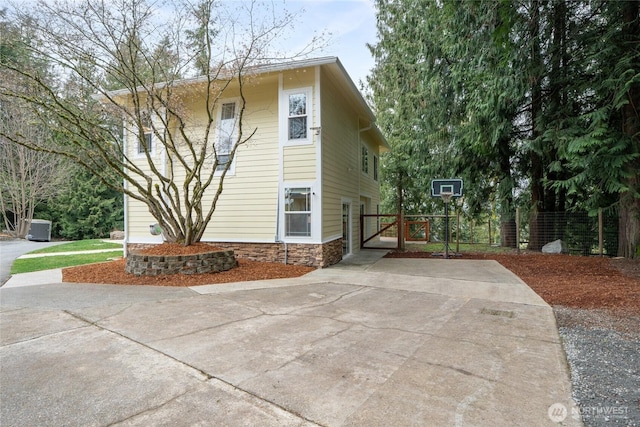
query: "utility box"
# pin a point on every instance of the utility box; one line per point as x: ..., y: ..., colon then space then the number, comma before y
x: 40, y: 230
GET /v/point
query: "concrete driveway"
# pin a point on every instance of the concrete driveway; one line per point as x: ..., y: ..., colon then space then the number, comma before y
x: 400, y: 342
x: 12, y: 249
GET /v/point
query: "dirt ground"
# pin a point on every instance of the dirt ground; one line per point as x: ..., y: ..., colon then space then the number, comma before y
x: 570, y: 281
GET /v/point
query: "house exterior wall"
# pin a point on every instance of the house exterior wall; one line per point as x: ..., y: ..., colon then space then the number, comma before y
x: 340, y: 175
x: 247, y: 209
x: 342, y: 178
x: 137, y: 216
x: 249, y: 216
x: 369, y: 185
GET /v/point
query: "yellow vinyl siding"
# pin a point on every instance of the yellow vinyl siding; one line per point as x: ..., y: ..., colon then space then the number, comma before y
x: 247, y: 208
x: 300, y: 163
x: 342, y: 176
x: 301, y: 77
x: 369, y: 187
x: 340, y: 161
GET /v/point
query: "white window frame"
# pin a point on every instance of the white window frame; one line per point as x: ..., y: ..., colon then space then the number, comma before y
x: 307, y: 212
x: 314, y: 217
x: 376, y: 167
x: 284, y: 116
x: 148, y: 140
x: 139, y: 151
x: 234, y: 133
x: 364, y: 160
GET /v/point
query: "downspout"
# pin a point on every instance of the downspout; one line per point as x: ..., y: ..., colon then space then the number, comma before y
x: 280, y: 175
x: 125, y: 200
x: 278, y: 240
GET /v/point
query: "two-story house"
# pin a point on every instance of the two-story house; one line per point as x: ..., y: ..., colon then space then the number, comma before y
x: 294, y: 193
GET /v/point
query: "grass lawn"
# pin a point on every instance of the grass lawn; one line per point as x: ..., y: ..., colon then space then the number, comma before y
x: 28, y: 265
x: 80, y: 245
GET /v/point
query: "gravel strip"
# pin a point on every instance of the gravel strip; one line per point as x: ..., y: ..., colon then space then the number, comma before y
x: 603, y: 352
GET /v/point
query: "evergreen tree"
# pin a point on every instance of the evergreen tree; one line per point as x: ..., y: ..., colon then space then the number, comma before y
x: 529, y: 97
x: 85, y: 209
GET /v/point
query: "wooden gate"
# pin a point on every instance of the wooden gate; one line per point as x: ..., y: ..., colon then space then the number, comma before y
x: 379, y: 231
x: 416, y: 231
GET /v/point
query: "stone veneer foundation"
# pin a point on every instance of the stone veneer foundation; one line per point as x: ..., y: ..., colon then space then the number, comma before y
x: 297, y: 254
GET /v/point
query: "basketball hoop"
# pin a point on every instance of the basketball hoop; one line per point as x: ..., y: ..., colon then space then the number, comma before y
x: 446, y: 196
x: 446, y: 189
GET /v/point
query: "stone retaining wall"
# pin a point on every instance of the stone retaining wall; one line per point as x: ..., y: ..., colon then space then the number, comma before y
x: 154, y: 265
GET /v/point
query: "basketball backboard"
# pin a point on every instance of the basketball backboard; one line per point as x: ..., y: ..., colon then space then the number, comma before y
x: 453, y: 186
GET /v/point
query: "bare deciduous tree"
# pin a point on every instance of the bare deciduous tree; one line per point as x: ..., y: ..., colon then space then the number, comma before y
x: 27, y: 177
x: 143, y: 62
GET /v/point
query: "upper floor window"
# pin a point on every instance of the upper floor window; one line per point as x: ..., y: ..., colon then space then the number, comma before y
x: 365, y: 159
x: 227, y: 134
x: 297, y: 116
x: 375, y: 168
x: 145, y: 141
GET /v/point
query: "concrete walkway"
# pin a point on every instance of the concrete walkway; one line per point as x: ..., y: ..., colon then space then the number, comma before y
x: 92, y: 251
x: 369, y: 342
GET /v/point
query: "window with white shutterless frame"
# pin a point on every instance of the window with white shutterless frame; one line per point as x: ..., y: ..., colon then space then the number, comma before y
x: 376, y: 165
x: 364, y: 166
x: 226, y: 134
x: 296, y: 116
x: 298, y: 205
x: 145, y: 138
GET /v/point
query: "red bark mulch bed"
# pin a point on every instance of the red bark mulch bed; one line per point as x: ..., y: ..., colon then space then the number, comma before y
x: 571, y: 281
x: 113, y: 272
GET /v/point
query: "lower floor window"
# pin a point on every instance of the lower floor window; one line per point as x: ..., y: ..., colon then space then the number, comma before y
x: 297, y: 211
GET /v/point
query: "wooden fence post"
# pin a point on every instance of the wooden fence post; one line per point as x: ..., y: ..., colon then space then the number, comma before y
x: 600, y: 232
x: 457, y: 230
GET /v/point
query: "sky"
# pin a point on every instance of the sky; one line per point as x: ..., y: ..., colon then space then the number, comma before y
x: 352, y: 24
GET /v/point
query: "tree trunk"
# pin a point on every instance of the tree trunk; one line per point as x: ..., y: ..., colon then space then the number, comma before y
x: 537, y: 167
x: 629, y: 212
x: 505, y: 193
x: 400, y: 210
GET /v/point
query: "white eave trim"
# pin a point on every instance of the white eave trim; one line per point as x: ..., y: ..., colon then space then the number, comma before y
x: 258, y: 69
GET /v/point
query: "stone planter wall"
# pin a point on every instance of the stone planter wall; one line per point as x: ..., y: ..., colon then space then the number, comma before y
x: 298, y: 254
x: 154, y: 265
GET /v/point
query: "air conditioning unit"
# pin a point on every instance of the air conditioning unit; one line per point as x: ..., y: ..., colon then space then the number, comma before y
x: 40, y: 230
